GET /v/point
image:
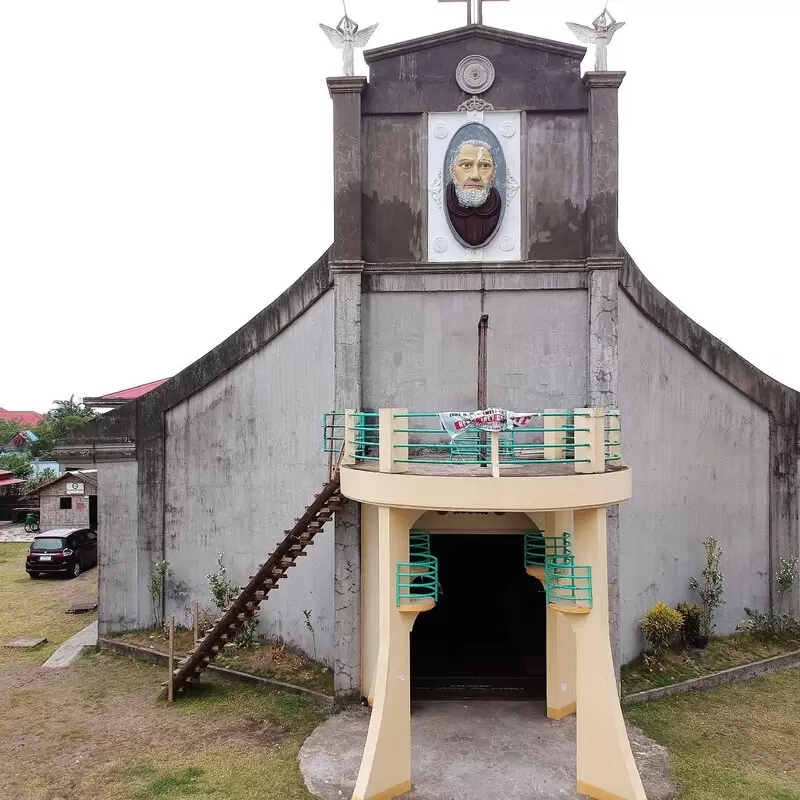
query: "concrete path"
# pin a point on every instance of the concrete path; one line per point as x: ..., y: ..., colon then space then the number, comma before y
x: 10, y: 534
x: 481, y: 750
x: 71, y: 650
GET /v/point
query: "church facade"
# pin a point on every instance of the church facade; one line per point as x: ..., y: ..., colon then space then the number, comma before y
x: 476, y: 263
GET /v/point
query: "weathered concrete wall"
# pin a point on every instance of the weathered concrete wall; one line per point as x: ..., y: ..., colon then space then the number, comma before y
x: 117, y: 546
x: 392, y: 200
x: 537, y: 349
x: 558, y: 185
x: 700, y: 454
x: 421, y: 350
x: 419, y: 76
x: 243, y: 460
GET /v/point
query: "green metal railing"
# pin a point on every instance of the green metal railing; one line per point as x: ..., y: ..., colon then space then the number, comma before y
x: 567, y: 583
x: 365, y: 426
x: 429, y: 443
x: 524, y: 445
x: 418, y: 579
x: 612, y: 443
x: 419, y: 544
x: 538, y: 547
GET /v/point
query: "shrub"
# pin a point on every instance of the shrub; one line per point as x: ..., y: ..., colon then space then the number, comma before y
x: 712, y: 587
x: 223, y: 592
x: 661, y: 626
x: 690, y: 627
x: 769, y: 624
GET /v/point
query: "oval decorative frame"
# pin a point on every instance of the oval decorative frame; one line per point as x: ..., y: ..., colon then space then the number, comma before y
x: 475, y: 130
x: 475, y: 74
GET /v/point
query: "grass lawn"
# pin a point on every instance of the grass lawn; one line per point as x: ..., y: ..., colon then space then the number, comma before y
x: 267, y: 660
x: 722, y: 652
x: 97, y: 730
x: 741, y: 742
x: 37, y: 607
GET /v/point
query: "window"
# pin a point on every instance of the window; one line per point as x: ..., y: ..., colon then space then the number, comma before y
x: 48, y: 545
x: 66, y: 503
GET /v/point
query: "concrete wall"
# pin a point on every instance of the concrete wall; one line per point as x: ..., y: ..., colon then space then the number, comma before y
x: 558, y: 185
x: 117, y: 546
x: 700, y: 454
x: 243, y: 460
x: 421, y: 348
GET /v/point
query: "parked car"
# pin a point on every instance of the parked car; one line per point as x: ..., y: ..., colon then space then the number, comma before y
x: 67, y: 551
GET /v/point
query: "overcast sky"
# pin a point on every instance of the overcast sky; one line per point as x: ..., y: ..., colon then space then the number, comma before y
x: 165, y: 169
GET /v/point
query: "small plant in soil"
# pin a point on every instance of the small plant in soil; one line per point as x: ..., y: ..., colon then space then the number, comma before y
x: 223, y: 592
x: 661, y: 626
x: 710, y: 587
x: 155, y: 586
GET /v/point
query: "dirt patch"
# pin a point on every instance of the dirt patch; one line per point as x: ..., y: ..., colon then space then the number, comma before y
x: 268, y: 660
x: 97, y: 730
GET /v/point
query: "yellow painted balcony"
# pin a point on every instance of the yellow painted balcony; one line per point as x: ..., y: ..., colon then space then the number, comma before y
x: 546, y: 461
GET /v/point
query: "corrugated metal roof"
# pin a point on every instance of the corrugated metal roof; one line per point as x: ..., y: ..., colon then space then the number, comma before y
x: 134, y: 391
x: 31, y: 418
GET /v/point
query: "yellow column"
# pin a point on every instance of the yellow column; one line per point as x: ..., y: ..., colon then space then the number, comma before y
x: 606, y: 768
x: 370, y: 594
x: 386, y: 765
x: 561, y: 683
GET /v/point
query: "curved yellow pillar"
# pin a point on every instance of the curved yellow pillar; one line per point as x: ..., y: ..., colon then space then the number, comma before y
x: 606, y: 768
x: 561, y: 681
x: 386, y: 764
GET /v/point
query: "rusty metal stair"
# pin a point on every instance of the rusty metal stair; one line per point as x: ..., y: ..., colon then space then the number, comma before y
x: 261, y: 584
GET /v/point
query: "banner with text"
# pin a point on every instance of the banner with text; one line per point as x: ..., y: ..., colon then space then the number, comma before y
x: 488, y: 419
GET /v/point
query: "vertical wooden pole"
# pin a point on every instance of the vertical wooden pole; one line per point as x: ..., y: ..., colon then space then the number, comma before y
x: 171, y: 659
x: 196, y: 623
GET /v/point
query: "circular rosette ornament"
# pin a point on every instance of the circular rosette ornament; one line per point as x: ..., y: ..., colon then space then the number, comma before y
x: 475, y: 74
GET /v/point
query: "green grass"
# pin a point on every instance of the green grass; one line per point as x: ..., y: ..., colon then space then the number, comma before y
x: 741, y: 742
x: 723, y: 652
x: 222, y: 740
x: 38, y: 607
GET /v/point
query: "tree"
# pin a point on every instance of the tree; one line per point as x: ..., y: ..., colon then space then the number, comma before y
x: 18, y: 463
x: 39, y: 479
x: 57, y: 423
x: 8, y: 430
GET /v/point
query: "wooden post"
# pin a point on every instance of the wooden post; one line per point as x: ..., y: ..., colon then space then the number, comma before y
x: 196, y: 623
x: 171, y: 660
x: 495, y: 454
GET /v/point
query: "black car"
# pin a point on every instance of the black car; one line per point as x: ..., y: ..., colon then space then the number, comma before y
x: 67, y: 551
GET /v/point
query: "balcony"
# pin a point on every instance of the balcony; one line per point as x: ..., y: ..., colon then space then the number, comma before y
x: 544, y: 460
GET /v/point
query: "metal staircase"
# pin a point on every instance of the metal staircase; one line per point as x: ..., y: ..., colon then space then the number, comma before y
x: 261, y: 584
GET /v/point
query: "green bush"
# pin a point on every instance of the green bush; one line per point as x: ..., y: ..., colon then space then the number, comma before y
x: 690, y: 627
x: 661, y: 626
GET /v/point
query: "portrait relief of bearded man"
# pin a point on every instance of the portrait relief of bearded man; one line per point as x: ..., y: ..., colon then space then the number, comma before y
x: 474, y: 205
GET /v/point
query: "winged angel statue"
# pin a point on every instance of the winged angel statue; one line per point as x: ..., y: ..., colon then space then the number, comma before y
x: 346, y: 37
x: 605, y: 26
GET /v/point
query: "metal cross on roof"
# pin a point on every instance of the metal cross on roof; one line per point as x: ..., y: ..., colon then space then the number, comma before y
x: 477, y: 17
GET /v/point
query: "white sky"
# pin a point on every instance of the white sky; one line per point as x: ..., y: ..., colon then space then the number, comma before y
x: 165, y: 169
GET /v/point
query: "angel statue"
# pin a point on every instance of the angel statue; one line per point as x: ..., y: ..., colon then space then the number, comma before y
x: 605, y: 26
x: 346, y: 37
